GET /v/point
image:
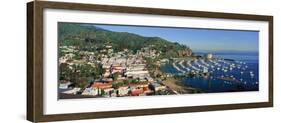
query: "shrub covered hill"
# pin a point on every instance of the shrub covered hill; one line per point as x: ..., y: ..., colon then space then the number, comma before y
x: 90, y: 38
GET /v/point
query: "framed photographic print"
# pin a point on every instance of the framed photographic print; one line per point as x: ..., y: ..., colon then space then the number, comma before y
x: 96, y: 61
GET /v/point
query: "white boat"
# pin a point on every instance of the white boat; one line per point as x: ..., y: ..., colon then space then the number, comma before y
x: 176, y: 67
x: 181, y: 64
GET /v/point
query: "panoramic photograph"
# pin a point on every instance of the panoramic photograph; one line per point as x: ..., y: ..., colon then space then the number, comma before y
x: 104, y: 61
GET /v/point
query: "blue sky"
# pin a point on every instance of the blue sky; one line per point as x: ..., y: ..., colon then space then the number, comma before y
x: 197, y: 39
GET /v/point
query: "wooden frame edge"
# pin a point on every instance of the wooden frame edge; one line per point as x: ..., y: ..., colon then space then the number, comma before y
x: 35, y: 61
x: 271, y: 54
x: 142, y: 112
x: 29, y: 89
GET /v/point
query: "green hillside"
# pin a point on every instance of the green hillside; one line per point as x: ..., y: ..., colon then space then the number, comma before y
x: 91, y: 38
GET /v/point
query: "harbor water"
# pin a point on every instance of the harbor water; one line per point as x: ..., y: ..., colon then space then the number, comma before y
x: 225, y: 72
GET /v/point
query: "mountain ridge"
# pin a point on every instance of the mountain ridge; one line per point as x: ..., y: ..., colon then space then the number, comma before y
x: 90, y: 37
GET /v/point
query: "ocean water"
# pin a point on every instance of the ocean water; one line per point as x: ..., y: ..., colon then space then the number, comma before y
x: 245, y: 73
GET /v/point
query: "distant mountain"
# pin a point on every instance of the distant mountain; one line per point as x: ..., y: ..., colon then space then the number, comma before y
x: 92, y: 38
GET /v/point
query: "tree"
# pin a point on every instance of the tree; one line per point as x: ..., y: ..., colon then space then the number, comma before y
x: 117, y: 84
x: 115, y: 76
x: 64, y: 71
x: 102, y: 93
x: 134, y: 81
x: 99, y: 70
x: 81, y: 83
x: 126, y: 82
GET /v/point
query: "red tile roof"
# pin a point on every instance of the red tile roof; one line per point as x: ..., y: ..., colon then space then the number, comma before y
x: 139, y: 85
x: 136, y: 92
x: 101, y: 85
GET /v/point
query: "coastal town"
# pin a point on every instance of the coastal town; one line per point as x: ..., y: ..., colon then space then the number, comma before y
x: 123, y: 73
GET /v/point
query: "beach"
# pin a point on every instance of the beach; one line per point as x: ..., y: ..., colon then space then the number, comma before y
x: 177, y: 86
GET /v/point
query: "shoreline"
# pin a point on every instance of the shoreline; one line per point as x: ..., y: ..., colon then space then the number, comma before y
x: 178, y: 87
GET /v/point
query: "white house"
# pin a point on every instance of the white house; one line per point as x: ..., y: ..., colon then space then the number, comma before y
x: 123, y: 90
x: 64, y: 85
